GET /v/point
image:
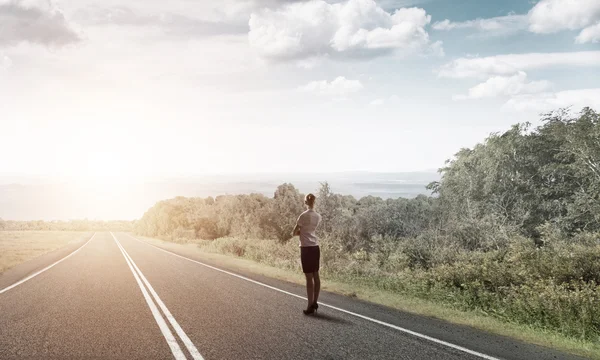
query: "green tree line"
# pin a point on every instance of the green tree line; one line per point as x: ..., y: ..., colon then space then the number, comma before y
x: 512, y: 228
x: 520, y: 181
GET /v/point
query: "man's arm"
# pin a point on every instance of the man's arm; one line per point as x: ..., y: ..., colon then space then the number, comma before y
x: 296, y: 230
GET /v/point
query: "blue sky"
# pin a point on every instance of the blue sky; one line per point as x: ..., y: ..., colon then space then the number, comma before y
x: 463, y: 10
x: 118, y: 89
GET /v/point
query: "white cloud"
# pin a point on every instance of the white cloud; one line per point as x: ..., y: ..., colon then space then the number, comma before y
x: 35, y: 22
x: 171, y: 22
x: 589, y: 34
x: 396, y: 4
x: 391, y: 100
x: 511, y: 64
x: 477, y: 67
x: 340, y: 86
x: 5, y: 63
x: 437, y: 49
x: 506, y: 86
x: 358, y: 28
x: 577, y: 99
x: 505, y: 75
x: 310, y: 63
x: 497, y: 25
x: 547, y: 16
x: 550, y: 16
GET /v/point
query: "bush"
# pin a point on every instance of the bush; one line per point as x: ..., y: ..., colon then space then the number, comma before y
x: 571, y: 308
x: 182, y: 235
x: 554, y: 287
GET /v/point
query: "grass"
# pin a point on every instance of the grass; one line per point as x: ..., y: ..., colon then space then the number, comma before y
x: 227, y: 253
x: 17, y: 247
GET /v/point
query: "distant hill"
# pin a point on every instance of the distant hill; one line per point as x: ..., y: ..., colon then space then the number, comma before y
x: 37, y: 199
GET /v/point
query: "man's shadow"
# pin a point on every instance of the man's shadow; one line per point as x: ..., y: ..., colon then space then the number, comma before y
x: 333, y: 319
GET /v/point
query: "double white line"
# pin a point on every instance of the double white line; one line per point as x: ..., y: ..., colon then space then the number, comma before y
x: 164, y: 328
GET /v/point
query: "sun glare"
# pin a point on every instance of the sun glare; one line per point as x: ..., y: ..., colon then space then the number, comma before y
x: 105, y: 168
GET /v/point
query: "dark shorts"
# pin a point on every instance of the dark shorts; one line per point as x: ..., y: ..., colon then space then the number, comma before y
x: 310, y: 256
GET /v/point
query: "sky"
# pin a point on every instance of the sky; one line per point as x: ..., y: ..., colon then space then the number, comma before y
x: 111, y: 90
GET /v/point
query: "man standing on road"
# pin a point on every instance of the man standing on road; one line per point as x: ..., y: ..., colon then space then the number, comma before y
x: 309, y: 251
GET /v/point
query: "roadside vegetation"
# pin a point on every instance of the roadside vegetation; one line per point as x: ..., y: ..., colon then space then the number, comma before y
x: 17, y: 247
x: 71, y: 225
x: 511, y: 231
x: 21, y: 241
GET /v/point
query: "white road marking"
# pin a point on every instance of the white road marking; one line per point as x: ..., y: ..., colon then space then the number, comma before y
x: 414, y: 333
x: 186, y: 340
x: 164, y: 328
x: 46, y: 268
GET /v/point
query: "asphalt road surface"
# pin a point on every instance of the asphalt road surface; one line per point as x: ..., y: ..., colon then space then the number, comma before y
x: 116, y: 297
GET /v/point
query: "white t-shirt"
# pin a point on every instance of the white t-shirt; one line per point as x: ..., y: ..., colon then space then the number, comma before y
x: 308, y: 222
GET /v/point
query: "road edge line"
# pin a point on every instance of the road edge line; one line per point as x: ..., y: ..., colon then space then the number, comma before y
x: 47, y: 267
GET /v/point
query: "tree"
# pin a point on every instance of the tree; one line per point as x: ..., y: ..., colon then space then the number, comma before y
x: 329, y: 205
x: 526, y: 178
x: 579, y: 155
x: 283, y: 212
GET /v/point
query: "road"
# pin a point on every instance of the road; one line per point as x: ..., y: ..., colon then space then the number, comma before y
x: 117, y: 297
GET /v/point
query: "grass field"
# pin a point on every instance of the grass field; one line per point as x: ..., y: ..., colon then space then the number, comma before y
x: 227, y: 253
x: 17, y: 247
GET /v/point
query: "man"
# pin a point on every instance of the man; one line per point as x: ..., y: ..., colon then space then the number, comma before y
x: 309, y: 251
